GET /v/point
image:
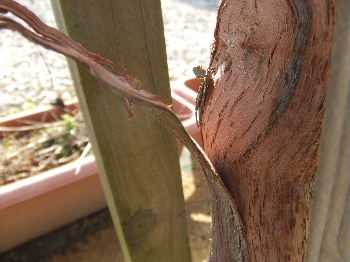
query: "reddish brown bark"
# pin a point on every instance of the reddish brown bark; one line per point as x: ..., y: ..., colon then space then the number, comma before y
x: 261, y: 124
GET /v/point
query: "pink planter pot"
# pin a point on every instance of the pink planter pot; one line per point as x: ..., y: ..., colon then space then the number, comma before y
x: 43, y: 114
x: 42, y: 203
x: 188, y: 96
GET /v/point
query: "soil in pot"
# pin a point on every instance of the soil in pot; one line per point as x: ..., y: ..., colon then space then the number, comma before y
x: 41, y: 146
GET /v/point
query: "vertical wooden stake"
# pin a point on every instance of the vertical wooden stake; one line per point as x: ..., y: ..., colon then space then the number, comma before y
x: 137, y: 159
x: 329, y: 230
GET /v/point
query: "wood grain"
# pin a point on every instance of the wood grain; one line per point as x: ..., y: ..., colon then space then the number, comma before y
x: 330, y: 230
x: 143, y: 190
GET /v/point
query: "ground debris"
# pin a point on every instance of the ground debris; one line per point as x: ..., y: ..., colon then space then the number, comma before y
x: 42, y: 149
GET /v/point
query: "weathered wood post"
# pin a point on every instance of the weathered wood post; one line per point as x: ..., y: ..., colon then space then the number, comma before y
x: 329, y: 238
x: 138, y: 160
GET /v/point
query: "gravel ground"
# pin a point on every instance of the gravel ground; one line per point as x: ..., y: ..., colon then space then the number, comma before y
x: 25, y: 80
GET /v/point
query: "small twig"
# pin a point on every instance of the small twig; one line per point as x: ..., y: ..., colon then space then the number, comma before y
x: 44, y: 163
x: 80, y: 159
x: 34, y: 145
x: 46, y: 150
x: 67, y: 159
x: 30, y: 127
x: 46, y: 65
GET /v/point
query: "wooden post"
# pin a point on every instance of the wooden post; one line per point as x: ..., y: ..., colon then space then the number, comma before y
x: 329, y: 229
x: 138, y: 159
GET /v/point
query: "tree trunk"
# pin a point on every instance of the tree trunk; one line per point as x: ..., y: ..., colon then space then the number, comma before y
x: 261, y: 121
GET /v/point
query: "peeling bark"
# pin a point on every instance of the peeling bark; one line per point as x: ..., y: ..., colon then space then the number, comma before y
x: 262, y: 120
